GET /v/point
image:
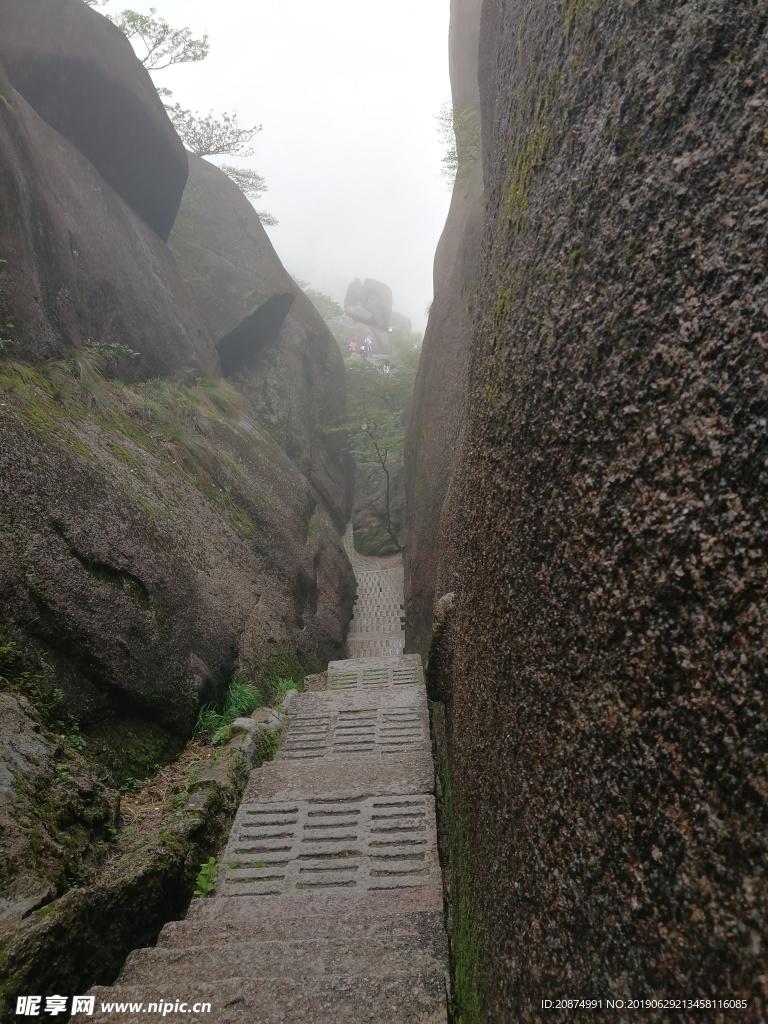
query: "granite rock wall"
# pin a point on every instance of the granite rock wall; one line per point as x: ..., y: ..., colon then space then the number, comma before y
x: 603, y: 661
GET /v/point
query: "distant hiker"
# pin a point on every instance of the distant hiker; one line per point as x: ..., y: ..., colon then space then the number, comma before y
x: 353, y: 347
x: 386, y: 367
x: 368, y: 344
x: 348, y: 346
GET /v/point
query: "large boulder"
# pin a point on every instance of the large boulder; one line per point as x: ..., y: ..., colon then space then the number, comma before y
x: 80, y: 74
x: 344, y: 327
x: 369, y: 302
x: 359, y: 313
x: 377, y: 297
x: 268, y: 332
x: 354, y: 293
x: 78, y: 264
x: 140, y: 586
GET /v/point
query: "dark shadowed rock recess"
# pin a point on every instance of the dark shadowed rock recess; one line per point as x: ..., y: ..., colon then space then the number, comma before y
x: 269, y: 335
x: 374, y: 529
x: 603, y: 658
x: 80, y: 74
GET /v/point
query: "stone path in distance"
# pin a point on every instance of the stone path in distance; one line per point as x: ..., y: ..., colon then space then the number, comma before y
x: 329, y: 904
x: 378, y: 623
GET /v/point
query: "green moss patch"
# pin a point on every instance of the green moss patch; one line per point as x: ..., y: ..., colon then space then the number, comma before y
x: 131, y: 748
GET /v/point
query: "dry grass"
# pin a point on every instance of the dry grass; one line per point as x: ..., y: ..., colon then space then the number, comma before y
x: 142, y: 811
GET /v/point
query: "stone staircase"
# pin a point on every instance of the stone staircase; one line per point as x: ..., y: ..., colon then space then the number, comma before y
x: 378, y: 623
x: 328, y: 906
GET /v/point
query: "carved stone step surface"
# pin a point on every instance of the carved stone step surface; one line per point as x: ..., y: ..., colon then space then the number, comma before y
x: 380, y: 955
x: 357, y: 919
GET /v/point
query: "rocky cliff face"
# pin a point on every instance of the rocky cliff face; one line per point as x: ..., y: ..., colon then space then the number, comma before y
x: 155, y: 538
x: 269, y: 335
x: 439, y: 398
x: 603, y: 661
x: 78, y: 264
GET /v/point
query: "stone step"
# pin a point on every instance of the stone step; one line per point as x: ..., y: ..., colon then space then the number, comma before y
x: 331, y: 843
x: 403, y: 998
x: 274, y: 923
x: 387, y: 720
x: 377, y: 691
x: 367, y: 673
x: 165, y: 968
x: 377, y: 774
x: 320, y: 905
x: 374, y: 648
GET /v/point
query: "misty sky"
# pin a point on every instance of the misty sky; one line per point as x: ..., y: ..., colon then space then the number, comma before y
x: 347, y: 92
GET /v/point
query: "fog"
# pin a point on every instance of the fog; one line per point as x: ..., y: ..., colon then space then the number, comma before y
x: 347, y: 94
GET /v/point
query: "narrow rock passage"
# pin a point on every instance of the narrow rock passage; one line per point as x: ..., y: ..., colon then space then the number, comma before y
x: 328, y: 904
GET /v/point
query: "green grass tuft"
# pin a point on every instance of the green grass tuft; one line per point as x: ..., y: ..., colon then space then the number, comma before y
x: 282, y: 686
x: 242, y: 700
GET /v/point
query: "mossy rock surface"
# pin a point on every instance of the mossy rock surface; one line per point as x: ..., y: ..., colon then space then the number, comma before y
x: 131, y: 747
x: 82, y: 937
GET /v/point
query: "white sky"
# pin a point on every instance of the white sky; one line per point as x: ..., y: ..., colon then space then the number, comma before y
x: 347, y: 92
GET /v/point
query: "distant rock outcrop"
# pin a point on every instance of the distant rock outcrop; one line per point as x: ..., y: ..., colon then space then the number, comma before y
x: 369, y: 302
x: 268, y: 332
x: 78, y: 264
x: 80, y: 74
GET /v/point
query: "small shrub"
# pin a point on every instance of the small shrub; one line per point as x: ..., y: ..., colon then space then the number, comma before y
x: 269, y: 741
x: 225, y: 398
x: 208, y: 720
x: 206, y: 879
x: 132, y: 783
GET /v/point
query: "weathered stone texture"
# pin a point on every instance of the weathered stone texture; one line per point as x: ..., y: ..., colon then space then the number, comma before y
x: 79, y: 265
x: 269, y: 335
x: 438, y: 413
x: 607, y: 646
x: 144, y: 598
x: 80, y: 74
